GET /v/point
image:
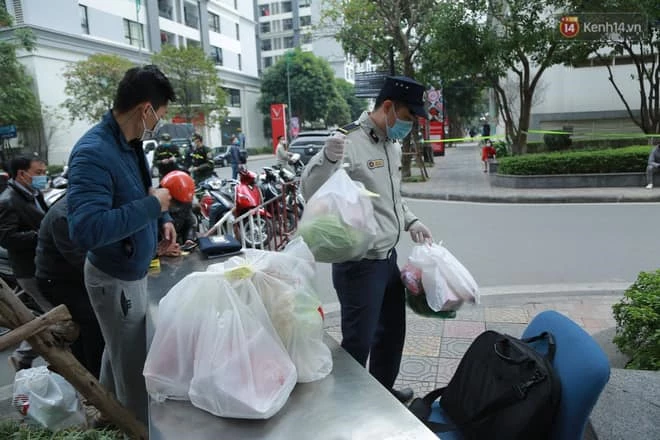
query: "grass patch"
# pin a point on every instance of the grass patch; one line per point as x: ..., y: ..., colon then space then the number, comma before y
x: 413, y: 179
x: 13, y: 430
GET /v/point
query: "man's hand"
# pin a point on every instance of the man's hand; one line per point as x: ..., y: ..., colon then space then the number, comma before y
x: 420, y: 233
x: 169, y: 233
x: 334, y: 147
x: 163, y: 196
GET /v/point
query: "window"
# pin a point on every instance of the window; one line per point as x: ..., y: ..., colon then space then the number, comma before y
x: 306, y: 20
x: 266, y: 45
x: 287, y: 24
x: 191, y: 15
x: 167, y: 38
x: 277, y: 43
x: 268, y: 61
x: 304, y: 3
x: 216, y: 55
x: 134, y: 33
x: 214, y: 22
x: 265, y: 27
x: 238, y: 31
x: 240, y: 62
x: 84, y: 24
x: 286, y: 7
x: 274, y: 8
x: 234, y: 96
x: 288, y: 42
x: 277, y: 25
x: 306, y: 38
x: 192, y: 43
x: 264, y: 10
x: 165, y: 9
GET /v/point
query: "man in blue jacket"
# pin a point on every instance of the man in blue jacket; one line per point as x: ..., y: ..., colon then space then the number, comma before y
x: 115, y: 215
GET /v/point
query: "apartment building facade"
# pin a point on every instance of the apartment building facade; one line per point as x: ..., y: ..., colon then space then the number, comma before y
x: 285, y: 25
x: 67, y: 31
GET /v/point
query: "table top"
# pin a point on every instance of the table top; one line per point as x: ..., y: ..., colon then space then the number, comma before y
x: 348, y: 404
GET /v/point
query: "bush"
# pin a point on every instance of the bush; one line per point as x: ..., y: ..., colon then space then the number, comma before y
x: 14, y: 430
x: 638, y: 322
x: 557, y: 142
x: 260, y: 150
x: 619, y: 160
x: 54, y: 169
x: 501, y: 149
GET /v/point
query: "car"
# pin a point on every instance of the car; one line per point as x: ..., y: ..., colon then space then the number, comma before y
x: 181, y: 135
x: 221, y: 155
x: 308, y: 143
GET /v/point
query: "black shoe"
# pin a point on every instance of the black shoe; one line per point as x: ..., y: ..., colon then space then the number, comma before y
x: 403, y: 395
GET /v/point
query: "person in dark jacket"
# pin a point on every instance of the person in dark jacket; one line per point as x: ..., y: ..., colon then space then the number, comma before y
x: 201, y: 160
x: 235, y: 156
x: 115, y: 214
x: 60, y: 277
x: 653, y: 163
x: 166, y: 156
x: 22, y: 207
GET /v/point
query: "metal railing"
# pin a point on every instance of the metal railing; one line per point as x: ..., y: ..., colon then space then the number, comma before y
x: 269, y: 226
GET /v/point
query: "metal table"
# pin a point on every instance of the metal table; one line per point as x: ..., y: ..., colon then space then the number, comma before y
x: 348, y: 404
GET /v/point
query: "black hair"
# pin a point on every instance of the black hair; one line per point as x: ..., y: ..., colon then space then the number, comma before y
x: 21, y: 163
x: 141, y: 84
x: 382, y: 98
x: 279, y: 138
x: 198, y: 136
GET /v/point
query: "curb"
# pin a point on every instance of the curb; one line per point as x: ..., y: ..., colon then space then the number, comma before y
x: 484, y: 198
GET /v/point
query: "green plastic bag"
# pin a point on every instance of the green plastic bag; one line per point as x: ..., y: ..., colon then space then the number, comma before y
x: 418, y: 304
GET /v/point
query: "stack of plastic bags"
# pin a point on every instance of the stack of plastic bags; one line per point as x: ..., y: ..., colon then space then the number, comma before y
x: 338, y: 223
x: 436, y: 282
x: 234, y: 340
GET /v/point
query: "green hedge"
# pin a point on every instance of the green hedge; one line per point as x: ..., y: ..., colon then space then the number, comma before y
x: 618, y: 160
x: 601, y: 143
x: 638, y: 322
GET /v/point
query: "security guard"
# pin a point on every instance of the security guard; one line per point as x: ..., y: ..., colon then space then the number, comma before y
x: 166, y: 155
x: 370, y: 291
x: 201, y: 160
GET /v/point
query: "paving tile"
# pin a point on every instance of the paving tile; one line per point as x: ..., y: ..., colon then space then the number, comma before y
x: 424, y: 326
x: 470, y: 313
x: 446, y: 368
x: 507, y: 314
x: 333, y: 329
x: 508, y: 328
x: 462, y: 329
x: 421, y: 345
x: 418, y: 368
x: 454, y: 347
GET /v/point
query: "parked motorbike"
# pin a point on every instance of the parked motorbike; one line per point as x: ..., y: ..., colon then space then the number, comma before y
x: 58, y: 186
x: 297, y: 164
x: 247, y: 196
x: 216, y: 200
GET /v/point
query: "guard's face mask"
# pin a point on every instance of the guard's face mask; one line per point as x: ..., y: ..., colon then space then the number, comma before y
x: 149, y: 133
x: 400, y: 129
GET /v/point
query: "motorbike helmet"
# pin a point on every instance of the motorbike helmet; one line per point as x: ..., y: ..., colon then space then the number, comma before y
x: 246, y: 176
x: 180, y: 185
x: 165, y: 137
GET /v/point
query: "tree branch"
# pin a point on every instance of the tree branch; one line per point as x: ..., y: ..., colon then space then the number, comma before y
x: 618, y: 91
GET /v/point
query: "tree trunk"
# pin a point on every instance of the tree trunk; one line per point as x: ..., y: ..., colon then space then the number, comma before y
x: 523, y: 121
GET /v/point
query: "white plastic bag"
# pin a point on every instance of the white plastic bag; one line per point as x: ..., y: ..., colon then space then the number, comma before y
x: 338, y: 223
x: 458, y: 277
x: 218, y: 351
x: 241, y: 369
x: 47, y: 398
x: 439, y: 296
x: 283, y: 282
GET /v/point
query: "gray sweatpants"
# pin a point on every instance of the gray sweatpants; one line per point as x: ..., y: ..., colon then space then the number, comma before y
x: 121, y: 307
x: 649, y: 173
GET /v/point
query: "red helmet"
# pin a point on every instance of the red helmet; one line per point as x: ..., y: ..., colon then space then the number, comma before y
x: 180, y: 184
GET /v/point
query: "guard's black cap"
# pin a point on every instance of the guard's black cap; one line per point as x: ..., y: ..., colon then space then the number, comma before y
x: 406, y: 90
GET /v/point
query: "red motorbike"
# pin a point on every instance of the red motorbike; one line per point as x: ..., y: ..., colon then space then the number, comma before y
x: 253, y: 226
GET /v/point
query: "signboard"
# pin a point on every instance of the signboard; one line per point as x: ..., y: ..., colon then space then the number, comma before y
x: 7, y: 131
x: 295, y: 127
x: 277, y: 122
x: 368, y: 84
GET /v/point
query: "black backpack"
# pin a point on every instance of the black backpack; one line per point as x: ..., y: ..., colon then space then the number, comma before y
x: 502, y: 389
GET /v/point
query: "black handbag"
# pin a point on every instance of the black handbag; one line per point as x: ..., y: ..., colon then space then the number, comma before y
x: 219, y: 246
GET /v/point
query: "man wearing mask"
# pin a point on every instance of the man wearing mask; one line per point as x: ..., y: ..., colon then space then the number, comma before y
x: 370, y: 291
x: 202, y: 160
x: 166, y: 156
x: 22, y: 207
x: 115, y: 215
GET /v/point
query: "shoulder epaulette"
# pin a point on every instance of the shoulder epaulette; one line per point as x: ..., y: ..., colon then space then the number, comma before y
x: 348, y: 128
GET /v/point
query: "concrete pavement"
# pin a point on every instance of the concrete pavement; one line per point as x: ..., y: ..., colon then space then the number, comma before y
x: 458, y: 176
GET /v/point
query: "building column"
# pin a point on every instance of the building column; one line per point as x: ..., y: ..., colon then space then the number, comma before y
x: 295, y: 10
x: 204, y: 26
x: 153, y: 27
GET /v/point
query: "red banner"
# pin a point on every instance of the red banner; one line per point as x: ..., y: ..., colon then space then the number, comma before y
x: 278, y: 122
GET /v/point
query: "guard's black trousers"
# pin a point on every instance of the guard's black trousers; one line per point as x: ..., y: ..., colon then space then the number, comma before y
x: 373, y: 314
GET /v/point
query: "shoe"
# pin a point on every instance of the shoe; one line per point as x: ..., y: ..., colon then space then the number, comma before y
x: 404, y: 395
x: 18, y: 364
x: 649, y: 186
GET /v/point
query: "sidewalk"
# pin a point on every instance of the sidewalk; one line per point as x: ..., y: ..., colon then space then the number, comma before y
x: 458, y: 176
x: 434, y: 348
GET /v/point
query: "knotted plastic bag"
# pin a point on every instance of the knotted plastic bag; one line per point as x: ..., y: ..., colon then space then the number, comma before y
x: 338, y: 223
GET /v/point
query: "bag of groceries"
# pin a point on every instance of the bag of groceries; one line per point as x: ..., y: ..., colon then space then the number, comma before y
x: 218, y: 350
x: 338, y: 223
